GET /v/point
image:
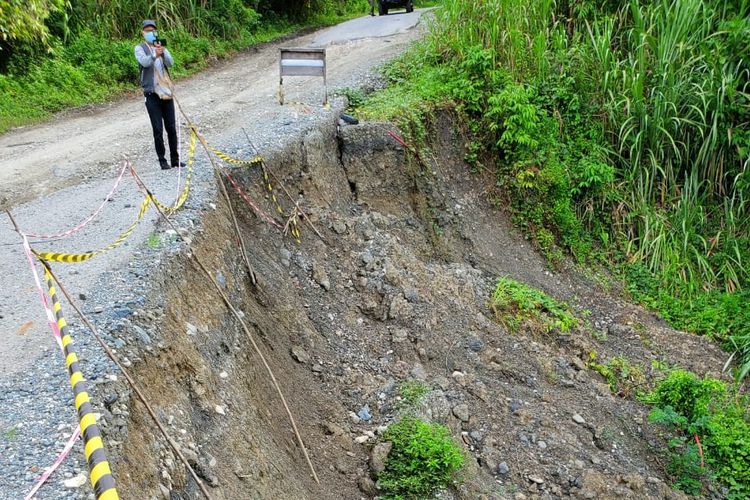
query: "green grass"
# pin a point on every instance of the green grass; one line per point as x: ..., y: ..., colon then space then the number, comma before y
x: 424, y: 459
x: 412, y: 391
x: 11, y: 434
x: 624, y: 378
x: 709, y: 409
x: 153, y: 241
x: 719, y: 315
x: 516, y: 304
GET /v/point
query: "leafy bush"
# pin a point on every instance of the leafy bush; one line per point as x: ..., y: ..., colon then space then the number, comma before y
x: 423, y: 459
x: 24, y: 21
x: 688, y: 395
x: 515, y: 303
x: 707, y: 409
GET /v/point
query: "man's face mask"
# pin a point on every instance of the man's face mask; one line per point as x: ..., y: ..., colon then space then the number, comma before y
x: 150, y: 36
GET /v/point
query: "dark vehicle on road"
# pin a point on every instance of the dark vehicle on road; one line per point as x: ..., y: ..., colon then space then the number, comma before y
x: 385, y: 5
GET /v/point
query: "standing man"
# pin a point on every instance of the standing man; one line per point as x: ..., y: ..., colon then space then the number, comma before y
x: 372, y: 6
x: 154, y: 59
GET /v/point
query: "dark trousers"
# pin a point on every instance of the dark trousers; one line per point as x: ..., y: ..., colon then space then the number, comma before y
x: 161, y: 113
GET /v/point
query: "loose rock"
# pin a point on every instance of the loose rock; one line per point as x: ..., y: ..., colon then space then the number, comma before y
x: 378, y: 455
x: 300, y: 355
x: 461, y: 412
x: 321, y: 277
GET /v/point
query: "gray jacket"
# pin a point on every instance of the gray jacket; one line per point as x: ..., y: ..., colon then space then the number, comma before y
x: 147, y: 60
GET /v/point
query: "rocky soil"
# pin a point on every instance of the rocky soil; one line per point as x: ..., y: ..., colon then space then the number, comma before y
x: 396, y: 289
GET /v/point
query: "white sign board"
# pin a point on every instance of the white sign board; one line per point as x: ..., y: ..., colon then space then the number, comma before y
x: 302, y: 62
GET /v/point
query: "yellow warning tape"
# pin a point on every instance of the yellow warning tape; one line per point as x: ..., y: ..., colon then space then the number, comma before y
x: 258, y: 160
x: 294, y: 229
x: 70, y: 258
x: 99, y: 472
x: 234, y: 161
x: 183, y: 196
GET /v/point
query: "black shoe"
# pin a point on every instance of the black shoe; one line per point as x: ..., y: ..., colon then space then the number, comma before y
x: 164, y: 165
x: 180, y: 164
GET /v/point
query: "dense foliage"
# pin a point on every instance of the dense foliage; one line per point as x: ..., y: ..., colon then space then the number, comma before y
x: 60, y: 53
x: 24, y: 20
x: 705, y: 411
x: 618, y: 131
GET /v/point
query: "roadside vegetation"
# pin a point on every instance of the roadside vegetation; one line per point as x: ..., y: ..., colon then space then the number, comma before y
x: 709, y: 427
x: 516, y: 304
x: 618, y: 133
x: 57, y: 54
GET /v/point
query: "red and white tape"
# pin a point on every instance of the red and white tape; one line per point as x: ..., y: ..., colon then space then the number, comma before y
x: 52, y: 468
x: 85, y: 222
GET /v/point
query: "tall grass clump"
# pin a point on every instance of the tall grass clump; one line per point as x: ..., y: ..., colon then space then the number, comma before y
x: 677, y: 111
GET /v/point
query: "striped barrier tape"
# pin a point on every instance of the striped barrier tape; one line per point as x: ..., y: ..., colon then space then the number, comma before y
x: 179, y: 152
x: 258, y: 211
x: 234, y: 161
x: 42, y: 295
x: 70, y: 258
x: 100, y: 473
x: 56, y: 334
x: 258, y: 160
x: 186, y: 190
x: 293, y: 221
x: 180, y: 196
x: 52, y: 468
x: 85, y: 222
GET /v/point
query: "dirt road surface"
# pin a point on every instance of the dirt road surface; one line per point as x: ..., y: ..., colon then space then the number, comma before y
x: 53, y: 175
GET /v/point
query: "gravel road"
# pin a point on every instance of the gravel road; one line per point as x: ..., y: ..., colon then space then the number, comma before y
x: 53, y: 175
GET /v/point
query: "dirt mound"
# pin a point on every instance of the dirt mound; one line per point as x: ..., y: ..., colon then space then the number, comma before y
x: 396, y: 290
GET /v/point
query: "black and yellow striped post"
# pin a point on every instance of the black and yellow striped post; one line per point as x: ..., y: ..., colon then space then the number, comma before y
x: 99, y: 472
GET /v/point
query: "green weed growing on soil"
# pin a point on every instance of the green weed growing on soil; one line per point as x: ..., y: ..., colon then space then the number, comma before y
x: 514, y: 304
x: 624, y: 378
x: 411, y: 391
x: 11, y: 434
x: 153, y: 241
x: 423, y: 460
